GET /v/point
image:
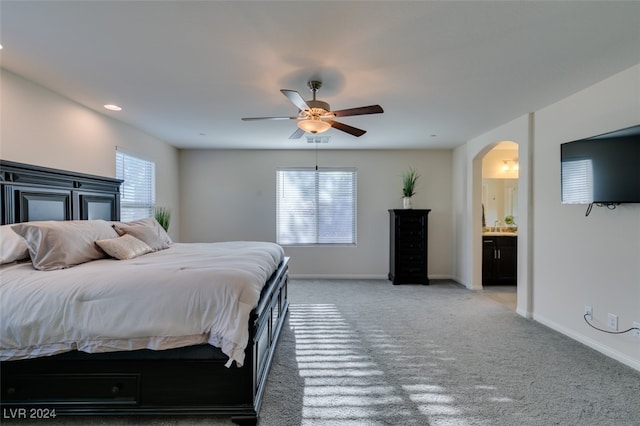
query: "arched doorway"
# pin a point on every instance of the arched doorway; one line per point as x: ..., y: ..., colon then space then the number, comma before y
x: 500, y: 193
x: 520, y: 131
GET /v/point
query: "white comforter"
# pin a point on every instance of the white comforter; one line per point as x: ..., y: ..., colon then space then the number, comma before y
x: 187, y: 294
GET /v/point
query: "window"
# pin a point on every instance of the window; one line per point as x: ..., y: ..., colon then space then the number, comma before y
x: 138, y: 192
x: 316, y: 206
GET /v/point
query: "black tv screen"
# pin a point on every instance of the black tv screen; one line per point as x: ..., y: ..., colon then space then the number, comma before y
x: 603, y: 169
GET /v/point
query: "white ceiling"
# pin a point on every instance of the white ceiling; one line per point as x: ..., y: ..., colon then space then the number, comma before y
x: 444, y: 72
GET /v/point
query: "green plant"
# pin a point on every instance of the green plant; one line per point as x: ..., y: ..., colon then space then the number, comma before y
x: 409, y: 180
x: 163, y: 216
x: 509, y: 220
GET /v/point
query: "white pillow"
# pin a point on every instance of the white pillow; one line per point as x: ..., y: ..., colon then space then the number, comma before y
x: 62, y: 244
x: 124, y: 247
x: 12, y: 245
x: 147, y: 230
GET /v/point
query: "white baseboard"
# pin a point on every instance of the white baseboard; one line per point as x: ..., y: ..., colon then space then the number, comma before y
x: 524, y: 313
x: 442, y: 277
x: 337, y: 277
x: 606, y: 350
x: 354, y: 277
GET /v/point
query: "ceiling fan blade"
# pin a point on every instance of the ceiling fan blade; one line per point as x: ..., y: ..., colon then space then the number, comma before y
x: 297, y: 134
x: 346, y: 128
x: 268, y: 118
x: 371, y: 109
x: 296, y: 99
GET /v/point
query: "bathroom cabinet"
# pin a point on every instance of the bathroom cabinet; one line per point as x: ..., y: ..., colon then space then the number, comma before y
x: 499, y: 260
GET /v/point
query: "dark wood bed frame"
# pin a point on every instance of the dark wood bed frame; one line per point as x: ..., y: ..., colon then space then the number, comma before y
x: 191, y: 381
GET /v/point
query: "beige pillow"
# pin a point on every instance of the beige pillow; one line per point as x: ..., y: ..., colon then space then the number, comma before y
x: 147, y: 230
x: 124, y: 247
x: 61, y: 244
x: 12, y: 245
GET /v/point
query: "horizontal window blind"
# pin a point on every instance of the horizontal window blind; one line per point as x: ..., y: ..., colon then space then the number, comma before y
x: 137, y: 198
x: 316, y: 206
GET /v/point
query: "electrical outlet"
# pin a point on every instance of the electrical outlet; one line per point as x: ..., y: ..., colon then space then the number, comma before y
x: 636, y: 329
x: 613, y: 322
x: 588, y: 312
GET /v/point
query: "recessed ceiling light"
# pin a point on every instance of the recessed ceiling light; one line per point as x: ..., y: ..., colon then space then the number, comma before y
x: 113, y: 107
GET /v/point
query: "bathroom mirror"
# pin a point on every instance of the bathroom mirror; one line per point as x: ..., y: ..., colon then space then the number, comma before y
x: 500, y: 199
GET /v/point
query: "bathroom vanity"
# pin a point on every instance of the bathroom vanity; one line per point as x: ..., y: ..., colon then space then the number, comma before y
x: 499, y: 258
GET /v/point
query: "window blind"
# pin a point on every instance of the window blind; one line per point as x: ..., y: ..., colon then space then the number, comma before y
x: 137, y: 197
x: 316, y: 206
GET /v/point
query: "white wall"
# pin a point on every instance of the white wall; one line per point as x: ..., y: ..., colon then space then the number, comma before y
x: 582, y: 260
x: 565, y: 260
x: 43, y: 128
x: 231, y: 195
x: 468, y: 205
x: 462, y: 243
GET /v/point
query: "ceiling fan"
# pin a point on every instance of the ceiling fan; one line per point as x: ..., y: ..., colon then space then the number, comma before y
x: 315, y: 116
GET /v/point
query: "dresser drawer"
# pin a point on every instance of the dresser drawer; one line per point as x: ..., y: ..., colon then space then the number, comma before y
x: 411, y: 247
x: 120, y: 389
x: 410, y: 234
x: 407, y: 257
x: 411, y: 220
x: 410, y: 268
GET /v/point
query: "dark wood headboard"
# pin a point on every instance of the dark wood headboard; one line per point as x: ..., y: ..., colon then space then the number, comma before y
x: 32, y: 193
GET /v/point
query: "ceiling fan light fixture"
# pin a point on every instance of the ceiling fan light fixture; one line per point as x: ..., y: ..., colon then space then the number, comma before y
x: 314, y: 125
x: 315, y: 116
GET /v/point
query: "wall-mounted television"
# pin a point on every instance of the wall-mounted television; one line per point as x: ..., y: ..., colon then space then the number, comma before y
x: 603, y: 169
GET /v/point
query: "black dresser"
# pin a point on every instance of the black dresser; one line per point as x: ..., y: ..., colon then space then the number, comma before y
x: 408, y: 246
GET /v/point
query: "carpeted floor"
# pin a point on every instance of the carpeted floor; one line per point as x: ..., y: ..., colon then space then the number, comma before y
x: 436, y: 355
x: 365, y: 352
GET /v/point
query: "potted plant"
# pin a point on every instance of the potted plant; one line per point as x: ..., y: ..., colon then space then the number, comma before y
x: 511, y: 223
x: 409, y: 180
x: 163, y: 216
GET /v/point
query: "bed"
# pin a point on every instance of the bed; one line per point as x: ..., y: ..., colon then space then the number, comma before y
x: 176, y: 353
